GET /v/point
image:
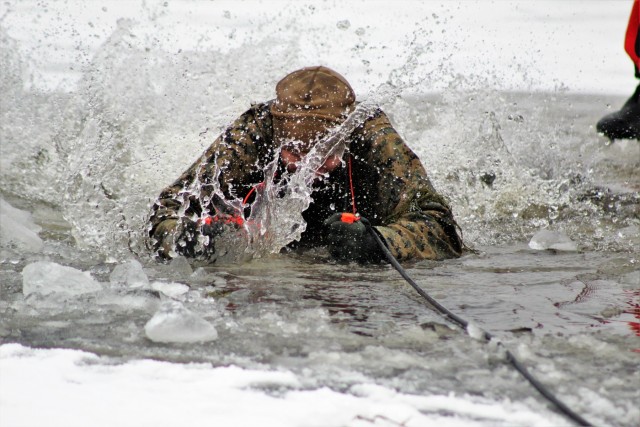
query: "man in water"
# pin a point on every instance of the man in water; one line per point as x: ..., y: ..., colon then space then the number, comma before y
x: 378, y: 176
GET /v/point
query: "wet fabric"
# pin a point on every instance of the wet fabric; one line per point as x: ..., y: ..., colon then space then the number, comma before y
x: 632, y: 38
x: 309, y: 101
x: 391, y: 188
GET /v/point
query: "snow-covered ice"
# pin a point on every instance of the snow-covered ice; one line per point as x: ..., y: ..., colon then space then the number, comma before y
x: 175, y: 323
x: 73, y: 388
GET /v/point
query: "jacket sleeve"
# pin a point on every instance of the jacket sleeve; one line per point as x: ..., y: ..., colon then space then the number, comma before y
x: 416, y: 222
x: 229, y: 166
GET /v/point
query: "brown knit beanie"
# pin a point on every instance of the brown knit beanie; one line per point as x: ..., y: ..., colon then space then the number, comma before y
x: 309, y: 102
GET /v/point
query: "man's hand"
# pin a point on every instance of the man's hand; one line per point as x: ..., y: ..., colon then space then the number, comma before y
x: 349, y: 240
x: 213, y: 226
x: 195, y: 238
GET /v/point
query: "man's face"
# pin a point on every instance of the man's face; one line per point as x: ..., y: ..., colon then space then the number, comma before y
x: 291, y: 157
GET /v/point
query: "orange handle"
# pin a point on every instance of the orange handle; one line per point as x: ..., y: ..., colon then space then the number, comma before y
x: 349, y: 218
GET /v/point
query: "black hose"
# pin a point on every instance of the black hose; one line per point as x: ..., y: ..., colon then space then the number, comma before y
x: 542, y: 389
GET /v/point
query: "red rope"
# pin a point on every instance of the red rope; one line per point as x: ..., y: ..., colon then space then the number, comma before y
x: 253, y: 189
x: 353, y: 196
x: 244, y: 202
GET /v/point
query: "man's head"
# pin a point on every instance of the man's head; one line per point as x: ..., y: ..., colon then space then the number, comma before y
x: 308, y: 103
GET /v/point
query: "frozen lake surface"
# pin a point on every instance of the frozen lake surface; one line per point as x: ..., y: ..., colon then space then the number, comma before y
x: 98, y: 114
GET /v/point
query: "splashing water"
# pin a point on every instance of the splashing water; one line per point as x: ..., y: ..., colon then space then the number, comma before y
x: 276, y: 219
x: 88, y: 158
x: 509, y: 162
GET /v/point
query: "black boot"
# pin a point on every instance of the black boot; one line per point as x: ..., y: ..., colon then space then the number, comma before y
x: 623, y: 124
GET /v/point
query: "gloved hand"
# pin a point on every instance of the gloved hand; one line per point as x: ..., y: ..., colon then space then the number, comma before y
x: 349, y: 240
x: 198, y: 238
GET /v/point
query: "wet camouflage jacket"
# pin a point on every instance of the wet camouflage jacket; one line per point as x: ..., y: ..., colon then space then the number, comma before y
x: 391, y: 188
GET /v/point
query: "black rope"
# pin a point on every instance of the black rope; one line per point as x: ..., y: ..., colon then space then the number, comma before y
x: 542, y: 389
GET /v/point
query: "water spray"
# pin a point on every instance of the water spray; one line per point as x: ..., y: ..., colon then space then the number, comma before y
x: 278, y: 201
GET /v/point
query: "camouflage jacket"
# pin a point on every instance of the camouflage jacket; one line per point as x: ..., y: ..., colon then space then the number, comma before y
x: 391, y: 188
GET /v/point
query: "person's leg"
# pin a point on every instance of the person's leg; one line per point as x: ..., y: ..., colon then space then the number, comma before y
x: 625, y: 124
x: 632, y: 41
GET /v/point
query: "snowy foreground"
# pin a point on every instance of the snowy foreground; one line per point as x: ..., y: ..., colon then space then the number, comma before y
x: 75, y: 388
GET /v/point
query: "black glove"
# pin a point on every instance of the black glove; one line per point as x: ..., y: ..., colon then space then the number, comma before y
x: 187, y: 237
x: 349, y: 240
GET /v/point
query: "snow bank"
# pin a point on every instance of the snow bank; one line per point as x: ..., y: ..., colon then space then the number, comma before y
x: 73, y: 388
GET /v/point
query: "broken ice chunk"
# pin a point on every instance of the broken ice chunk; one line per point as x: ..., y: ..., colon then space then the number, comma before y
x: 180, y: 266
x: 548, y: 239
x: 171, y: 290
x: 475, y: 332
x: 130, y: 274
x: 18, y: 229
x: 174, y: 323
x: 44, y: 277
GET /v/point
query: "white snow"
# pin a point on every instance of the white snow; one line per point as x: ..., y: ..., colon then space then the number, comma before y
x: 550, y: 239
x: 69, y: 388
x: 45, y: 277
x: 18, y: 229
x: 175, y: 323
